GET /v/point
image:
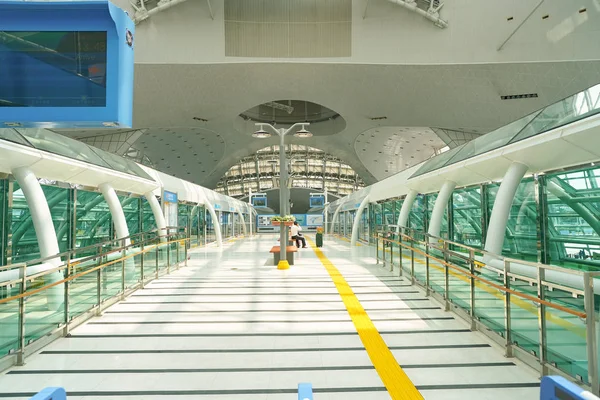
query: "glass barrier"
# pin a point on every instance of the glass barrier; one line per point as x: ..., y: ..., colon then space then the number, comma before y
x: 542, y: 313
x: 566, y: 111
x: 55, y: 143
x: 93, y: 275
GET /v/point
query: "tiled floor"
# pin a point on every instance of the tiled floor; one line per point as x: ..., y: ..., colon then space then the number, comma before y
x: 232, y: 326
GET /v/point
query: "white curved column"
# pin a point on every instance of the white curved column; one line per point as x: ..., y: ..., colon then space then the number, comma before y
x: 159, y: 217
x: 244, y: 230
x: 494, y: 239
x: 216, y: 223
x: 406, y: 207
x: 44, y: 232
x: 116, y: 212
x: 120, y: 224
x: 441, y: 204
x: 356, y: 222
x: 335, y: 216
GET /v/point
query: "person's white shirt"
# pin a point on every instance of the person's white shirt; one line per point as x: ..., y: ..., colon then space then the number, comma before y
x: 294, y: 229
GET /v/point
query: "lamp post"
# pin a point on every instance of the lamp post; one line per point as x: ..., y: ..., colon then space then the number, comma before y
x: 261, y: 133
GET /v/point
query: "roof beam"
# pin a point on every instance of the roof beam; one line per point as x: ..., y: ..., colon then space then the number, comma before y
x: 432, y: 13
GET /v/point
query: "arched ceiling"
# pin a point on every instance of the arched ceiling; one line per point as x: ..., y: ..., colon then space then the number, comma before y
x: 190, y: 94
x: 308, y: 168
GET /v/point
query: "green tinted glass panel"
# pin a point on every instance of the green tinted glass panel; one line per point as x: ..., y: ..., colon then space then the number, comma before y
x: 131, y: 209
x: 431, y: 198
x: 59, y: 202
x: 388, y: 213
x: 148, y: 220
x: 520, y: 240
x: 94, y: 222
x: 574, y: 218
x: 4, y: 220
x: 416, y: 219
x: 466, y: 213
x: 24, y: 240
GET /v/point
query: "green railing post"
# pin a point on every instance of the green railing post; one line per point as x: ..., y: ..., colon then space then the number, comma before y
x: 507, y: 320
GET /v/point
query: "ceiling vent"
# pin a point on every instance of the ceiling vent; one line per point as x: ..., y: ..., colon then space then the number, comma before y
x: 520, y: 96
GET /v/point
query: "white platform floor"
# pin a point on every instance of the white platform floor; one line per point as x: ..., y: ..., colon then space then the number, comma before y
x: 232, y: 326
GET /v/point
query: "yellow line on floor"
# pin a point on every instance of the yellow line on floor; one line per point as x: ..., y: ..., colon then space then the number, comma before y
x: 397, y: 383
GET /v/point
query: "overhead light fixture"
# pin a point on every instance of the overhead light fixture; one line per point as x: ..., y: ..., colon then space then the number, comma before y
x: 303, y: 133
x: 261, y: 134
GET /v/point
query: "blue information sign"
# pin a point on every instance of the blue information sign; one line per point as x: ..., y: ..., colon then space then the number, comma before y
x: 170, y: 197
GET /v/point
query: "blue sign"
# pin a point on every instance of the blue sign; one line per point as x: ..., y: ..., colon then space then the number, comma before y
x: 217, y: 206
x: 170, y: 197
x: 66, y: 64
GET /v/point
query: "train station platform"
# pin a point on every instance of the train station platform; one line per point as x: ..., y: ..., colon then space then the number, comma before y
x: 232, y: 326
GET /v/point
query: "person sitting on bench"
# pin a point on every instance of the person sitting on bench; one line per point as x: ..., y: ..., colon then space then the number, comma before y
x: 297, y: 236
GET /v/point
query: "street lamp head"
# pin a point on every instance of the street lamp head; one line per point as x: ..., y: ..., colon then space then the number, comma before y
x: 261, y: 134
x: 303, y: 133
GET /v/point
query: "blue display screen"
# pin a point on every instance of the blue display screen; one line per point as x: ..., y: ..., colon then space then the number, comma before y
x: 53, y: 69
x: 317, y: 201
x: 259, y: 201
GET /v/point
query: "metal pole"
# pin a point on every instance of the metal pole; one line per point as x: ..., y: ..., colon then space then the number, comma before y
x: 377, y: 247
x: 591, y: 338
x: 507, y: 320
x: 282, y: 195
x: 427, y: 277
x: 472, y: 282
x: 66, y: 275
x: 400, y: 253
x: 142, y: 261
x: 541, y: 277
x: 21, y: 338
x: 447, y: 277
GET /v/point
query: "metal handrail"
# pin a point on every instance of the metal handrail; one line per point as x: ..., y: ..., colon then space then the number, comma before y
x: 80, y: 274
x: 539, y: 304
x: 490, y: 283
x: 152, y: 242
x: 87, y: 248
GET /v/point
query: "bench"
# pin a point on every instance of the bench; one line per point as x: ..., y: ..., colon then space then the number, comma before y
x: 289, y: 250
